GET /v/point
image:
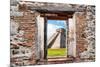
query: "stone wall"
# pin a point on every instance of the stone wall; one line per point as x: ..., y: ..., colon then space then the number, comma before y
x: 85, y: 34
x: 23, y: 35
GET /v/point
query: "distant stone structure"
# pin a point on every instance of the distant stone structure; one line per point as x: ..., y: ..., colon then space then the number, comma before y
x: 58, y: 40
x: 63, y: 35
x: 63, y: 38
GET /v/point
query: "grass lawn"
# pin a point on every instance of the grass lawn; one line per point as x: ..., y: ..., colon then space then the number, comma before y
x: 57, y: 52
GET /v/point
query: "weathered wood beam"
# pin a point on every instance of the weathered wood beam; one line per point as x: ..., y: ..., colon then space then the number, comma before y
x: 45, y: 38
x: 57, y: 16
x: 54, y: 11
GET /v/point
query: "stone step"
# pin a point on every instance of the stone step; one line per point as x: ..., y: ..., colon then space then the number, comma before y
x: 56, y: 60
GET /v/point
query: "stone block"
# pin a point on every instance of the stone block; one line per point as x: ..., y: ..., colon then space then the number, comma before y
x: 16, y: 13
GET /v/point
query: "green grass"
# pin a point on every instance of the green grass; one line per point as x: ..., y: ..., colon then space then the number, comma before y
x: 57, y: 52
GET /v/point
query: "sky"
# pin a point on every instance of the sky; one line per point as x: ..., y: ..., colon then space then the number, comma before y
x: 53, y: 25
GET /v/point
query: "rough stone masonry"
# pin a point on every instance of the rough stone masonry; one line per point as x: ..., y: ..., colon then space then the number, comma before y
x: 24, y: 28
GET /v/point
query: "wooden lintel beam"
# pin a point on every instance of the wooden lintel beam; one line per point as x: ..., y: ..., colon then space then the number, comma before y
x: 63, y: 15
x: 57, y: 18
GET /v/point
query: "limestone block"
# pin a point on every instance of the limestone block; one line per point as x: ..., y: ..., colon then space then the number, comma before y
x: 14, y: 27
x: 16, y: 13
